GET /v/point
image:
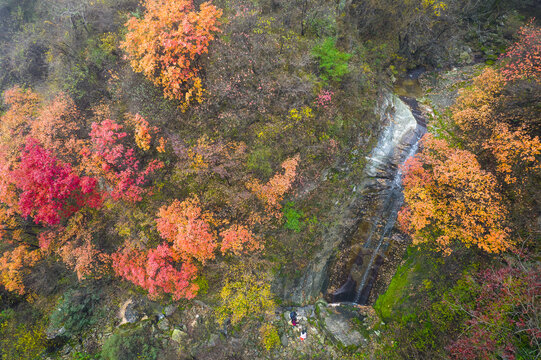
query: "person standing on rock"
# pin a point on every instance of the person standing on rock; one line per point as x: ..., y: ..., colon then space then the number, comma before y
x: 293, y: 318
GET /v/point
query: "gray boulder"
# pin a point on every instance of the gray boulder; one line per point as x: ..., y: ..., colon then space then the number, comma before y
x: 284, y: 340
x: 163, y: 324
x: 342, y: 326
x: 178, y: 335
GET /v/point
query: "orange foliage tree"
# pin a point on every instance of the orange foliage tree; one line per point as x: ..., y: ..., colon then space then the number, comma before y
x: 187, y: 227
x: 57, y: 126
x: 485, y: 124
x: 238, y: 239
x: 55, y: 123
x: 272, y: 193
x: 171, y: 269
x: 14, y: 265
x: 449, y: 198
x: 474, y: 111
x: 166, y: 44
x: 74, y: 244
x: 516, y: 153
x: 22, y: 108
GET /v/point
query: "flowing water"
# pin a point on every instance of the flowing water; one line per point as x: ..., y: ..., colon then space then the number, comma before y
x: 381, y: 188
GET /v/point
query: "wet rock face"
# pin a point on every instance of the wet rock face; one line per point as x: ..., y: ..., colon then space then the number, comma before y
x: 169, y: 310
x: 140, y: 308
x: 345, y: 292
x: 164, y: 325
x: 54, y: 333
x: 178, y: 335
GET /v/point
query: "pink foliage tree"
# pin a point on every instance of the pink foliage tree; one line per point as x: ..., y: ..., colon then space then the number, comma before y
x: 524, y: 56
x: 154, y: 270
x: 111, y: 158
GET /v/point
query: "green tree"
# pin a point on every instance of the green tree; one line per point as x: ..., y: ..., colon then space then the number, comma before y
x: 333, y: 63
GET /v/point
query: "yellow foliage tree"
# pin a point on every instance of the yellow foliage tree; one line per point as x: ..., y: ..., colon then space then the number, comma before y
x: 244, y: 296
x: 14, y: 265
x: 20, y: 340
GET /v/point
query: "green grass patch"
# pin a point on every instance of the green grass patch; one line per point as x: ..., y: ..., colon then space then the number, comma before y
x: 293, y: 217
x: 397, y: 290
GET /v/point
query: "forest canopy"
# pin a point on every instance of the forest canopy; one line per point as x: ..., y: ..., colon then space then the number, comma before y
x: 183, y: 179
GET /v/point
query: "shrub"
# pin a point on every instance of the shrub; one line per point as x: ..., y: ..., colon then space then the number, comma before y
x: 20, y: 340
x: 77, y: 310
x: 321, y: 24
x: 83, y: 356
x: 130, y: 344
x: 203, y: 285
x: 259, y: 161
x: 269, y: 336
x: 333, y: 63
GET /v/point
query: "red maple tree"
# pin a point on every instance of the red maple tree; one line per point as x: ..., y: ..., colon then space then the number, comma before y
x: 49, y: 189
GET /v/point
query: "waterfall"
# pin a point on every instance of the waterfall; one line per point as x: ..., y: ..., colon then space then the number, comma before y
x: 382, y: 188
x: 390, y: 222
